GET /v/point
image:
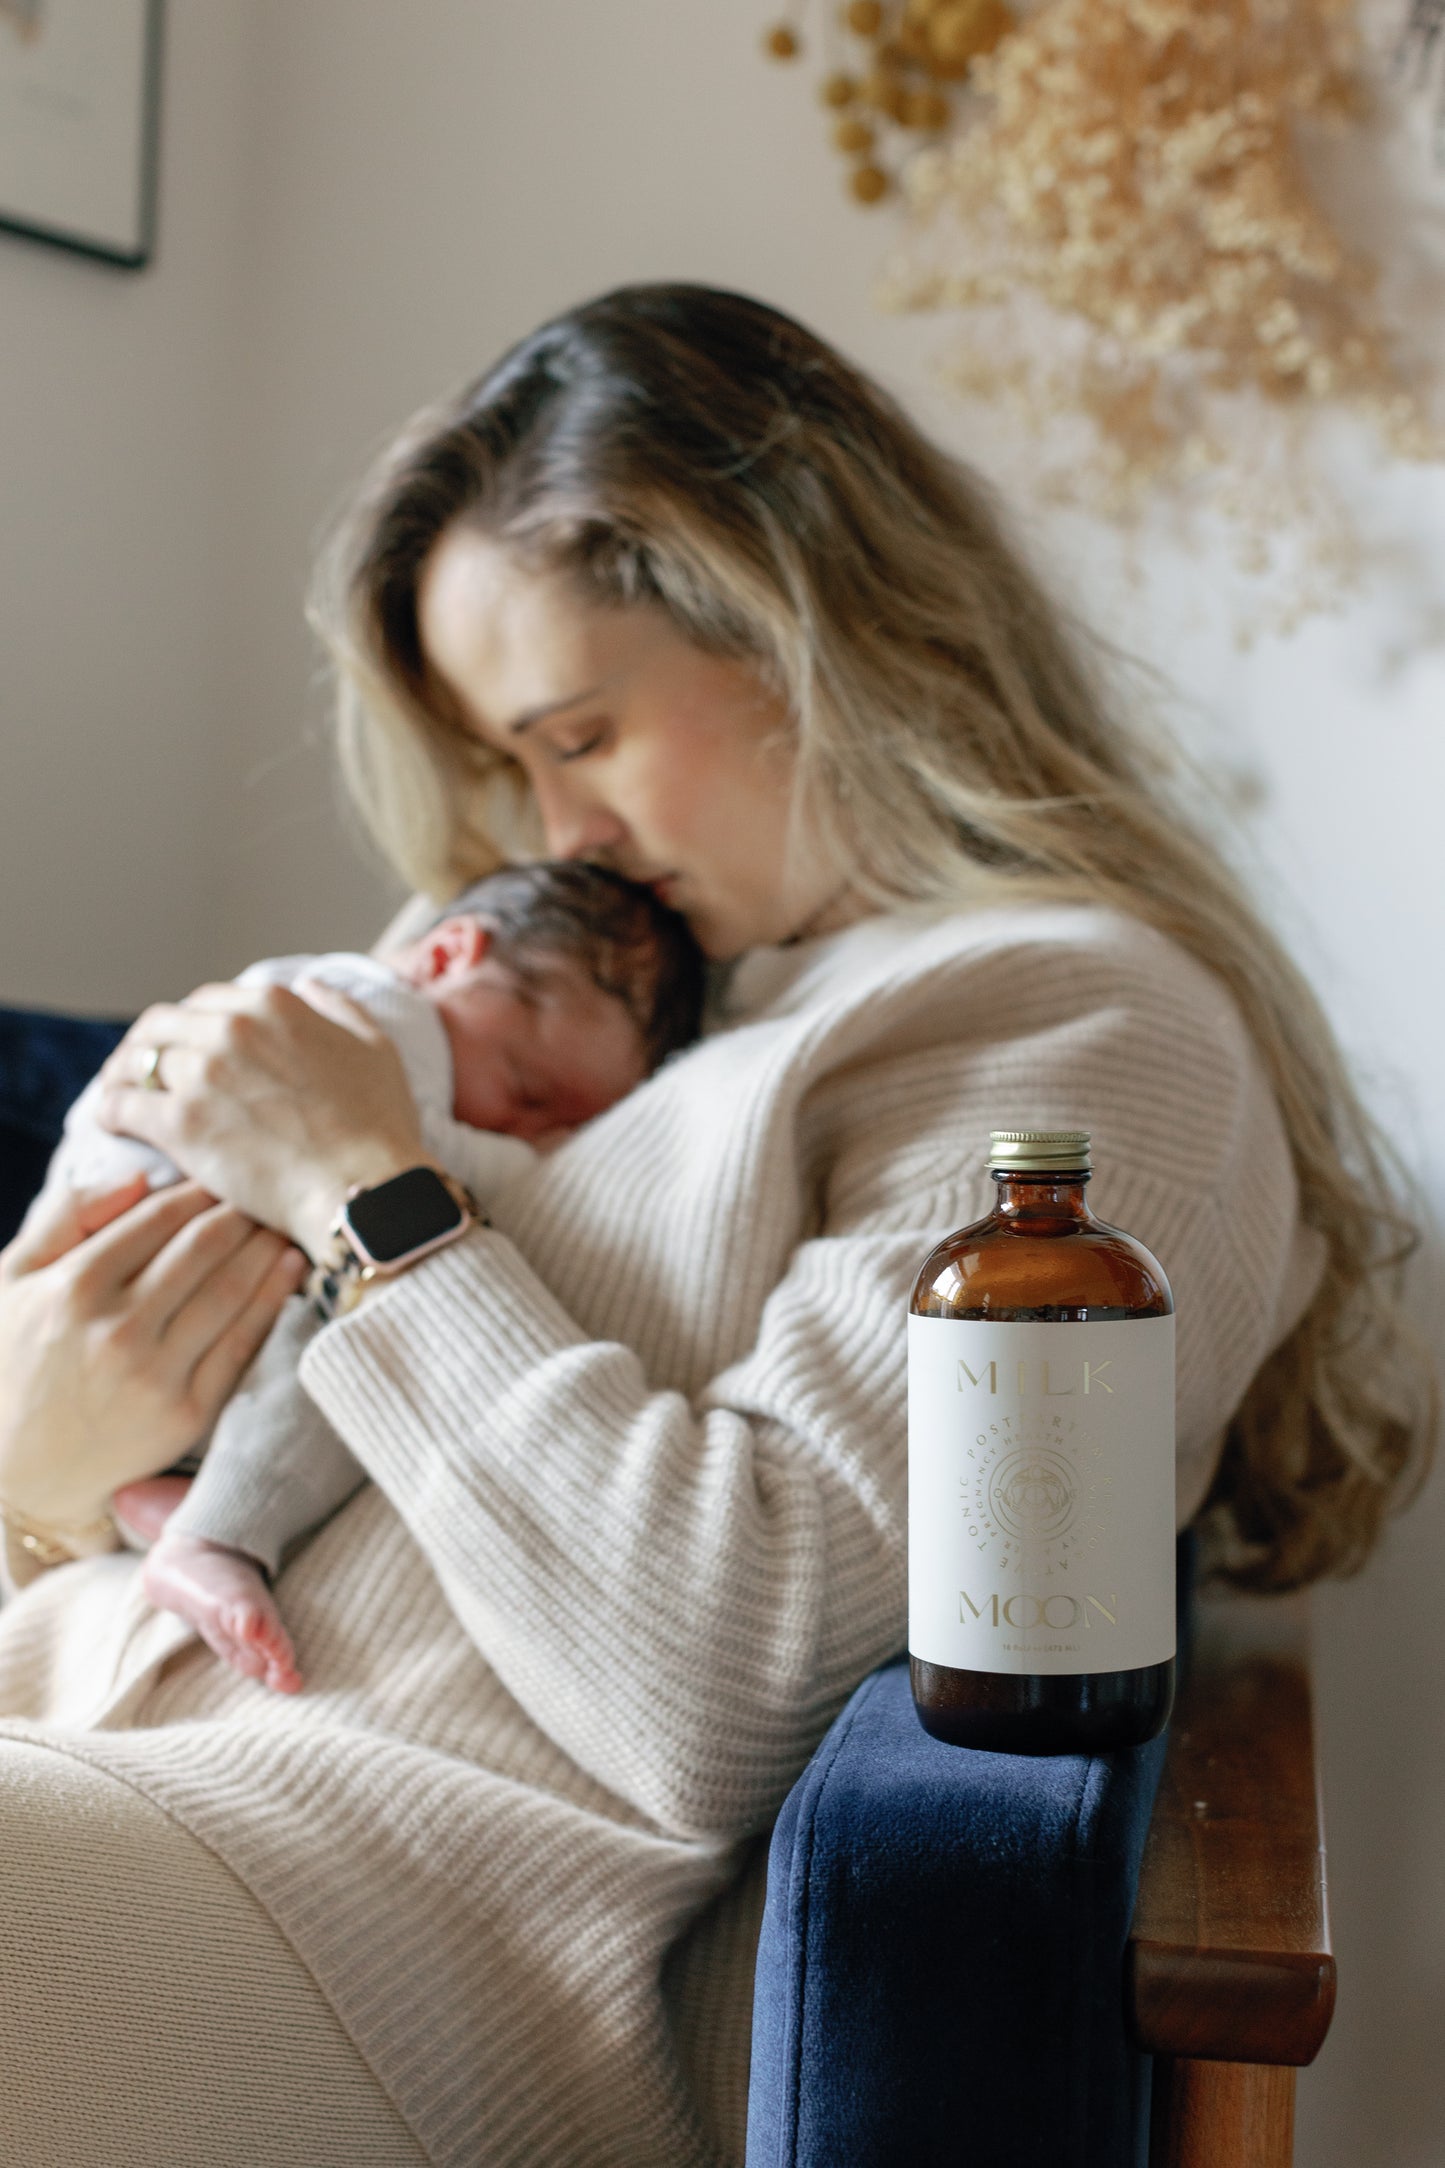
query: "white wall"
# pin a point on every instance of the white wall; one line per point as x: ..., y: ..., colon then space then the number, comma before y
x: 117, y: 441
x: 361, y: 203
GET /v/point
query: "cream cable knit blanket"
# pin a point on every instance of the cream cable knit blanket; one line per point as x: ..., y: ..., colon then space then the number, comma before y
x: 637, y: 1518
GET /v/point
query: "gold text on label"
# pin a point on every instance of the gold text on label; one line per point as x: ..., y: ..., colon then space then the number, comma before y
x: 1022, y: 1611
x: 1089, y: 1379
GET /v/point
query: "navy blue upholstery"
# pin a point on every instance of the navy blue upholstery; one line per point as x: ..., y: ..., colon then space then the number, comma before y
x: 940, y: 1977
x: 45, y: 1060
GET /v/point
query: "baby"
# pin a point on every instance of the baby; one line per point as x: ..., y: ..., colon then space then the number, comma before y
x: 539, y: 998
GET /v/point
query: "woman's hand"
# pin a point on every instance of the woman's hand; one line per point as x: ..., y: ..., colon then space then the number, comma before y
x: 126, y: 1321
x: 277, y: 1103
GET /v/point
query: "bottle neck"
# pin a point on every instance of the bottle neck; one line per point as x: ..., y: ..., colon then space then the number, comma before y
x: 1053, y: 1196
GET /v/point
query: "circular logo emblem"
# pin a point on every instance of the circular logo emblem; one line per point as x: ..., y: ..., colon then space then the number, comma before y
x: 1033, y: 1493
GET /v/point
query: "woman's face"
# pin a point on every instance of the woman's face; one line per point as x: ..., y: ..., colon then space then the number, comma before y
x: 644, y: 754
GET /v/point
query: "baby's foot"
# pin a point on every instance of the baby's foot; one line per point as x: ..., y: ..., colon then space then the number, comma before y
x: 142, y: 1509
x: 223, y: 1594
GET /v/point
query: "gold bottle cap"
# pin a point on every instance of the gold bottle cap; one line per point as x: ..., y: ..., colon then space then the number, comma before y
x: 1039, y: 1151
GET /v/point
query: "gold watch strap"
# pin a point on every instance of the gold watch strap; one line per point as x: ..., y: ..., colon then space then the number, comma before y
x: 338, y: 1281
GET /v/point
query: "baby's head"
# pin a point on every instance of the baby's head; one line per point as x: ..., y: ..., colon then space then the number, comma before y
x: 560, y: 987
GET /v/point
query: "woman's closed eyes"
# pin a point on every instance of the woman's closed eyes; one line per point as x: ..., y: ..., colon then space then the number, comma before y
x: 591, y: 741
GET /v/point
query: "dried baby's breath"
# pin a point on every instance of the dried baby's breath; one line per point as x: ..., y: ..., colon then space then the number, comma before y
x: 1113, y: 198
x: 1131, y: 235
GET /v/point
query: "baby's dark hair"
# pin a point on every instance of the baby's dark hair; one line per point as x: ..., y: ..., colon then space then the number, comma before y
x: 629, y: 944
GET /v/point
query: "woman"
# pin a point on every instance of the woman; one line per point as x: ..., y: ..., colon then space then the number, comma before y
x: 674, y: 589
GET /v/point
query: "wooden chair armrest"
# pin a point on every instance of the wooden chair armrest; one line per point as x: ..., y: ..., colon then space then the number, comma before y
x: 1229, y: 1955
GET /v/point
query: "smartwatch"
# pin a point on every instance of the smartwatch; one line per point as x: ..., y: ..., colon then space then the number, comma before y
x: 381, y: 1231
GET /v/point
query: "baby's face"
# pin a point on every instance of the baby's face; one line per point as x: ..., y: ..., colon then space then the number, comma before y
x: 533, y: 1050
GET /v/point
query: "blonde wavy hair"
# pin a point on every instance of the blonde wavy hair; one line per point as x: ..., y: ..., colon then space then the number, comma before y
x: 694, y: 449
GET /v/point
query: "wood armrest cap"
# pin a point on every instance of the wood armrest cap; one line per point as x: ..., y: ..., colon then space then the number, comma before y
x: 1229, y: 1955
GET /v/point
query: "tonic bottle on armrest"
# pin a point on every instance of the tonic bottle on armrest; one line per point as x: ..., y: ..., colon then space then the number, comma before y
x: 1041, y: 1470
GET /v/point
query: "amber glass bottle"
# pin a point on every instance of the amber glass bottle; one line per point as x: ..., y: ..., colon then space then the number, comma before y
x: 1041, y: 1470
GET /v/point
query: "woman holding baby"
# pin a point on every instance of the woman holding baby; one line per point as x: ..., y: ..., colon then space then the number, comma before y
x: 676, y: 591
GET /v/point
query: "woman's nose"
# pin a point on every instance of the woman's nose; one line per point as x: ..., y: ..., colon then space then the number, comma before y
x: 575, y: 825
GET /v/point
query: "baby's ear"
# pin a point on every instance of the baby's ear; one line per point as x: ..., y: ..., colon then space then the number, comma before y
x: 456, y: 947
x: 449, y: 950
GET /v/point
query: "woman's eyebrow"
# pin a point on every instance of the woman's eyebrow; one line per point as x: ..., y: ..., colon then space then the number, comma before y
x: 524, y: 722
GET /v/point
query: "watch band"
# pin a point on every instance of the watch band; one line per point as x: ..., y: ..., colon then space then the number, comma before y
x: 342, y: 1274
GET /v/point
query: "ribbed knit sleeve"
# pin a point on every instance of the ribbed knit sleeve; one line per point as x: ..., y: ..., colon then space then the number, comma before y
x: 680, y: 1583
x: 680, y: 1594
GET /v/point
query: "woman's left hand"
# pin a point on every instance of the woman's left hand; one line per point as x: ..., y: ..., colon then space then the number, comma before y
x: 276, y: 1103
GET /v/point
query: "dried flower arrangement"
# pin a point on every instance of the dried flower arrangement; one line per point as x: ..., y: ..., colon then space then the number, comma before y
x: 907, y: 53
x: 1117, y: 202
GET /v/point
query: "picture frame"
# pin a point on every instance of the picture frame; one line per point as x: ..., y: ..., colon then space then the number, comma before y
x: 79, y: 125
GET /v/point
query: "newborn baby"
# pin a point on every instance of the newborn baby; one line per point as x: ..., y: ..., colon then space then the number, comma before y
x: 538, y: 999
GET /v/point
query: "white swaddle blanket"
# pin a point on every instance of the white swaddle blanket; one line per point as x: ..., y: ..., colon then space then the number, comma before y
x: 91, y: 1157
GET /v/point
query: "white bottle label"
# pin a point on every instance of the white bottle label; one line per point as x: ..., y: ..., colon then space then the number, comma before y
x: 1041, y: 1494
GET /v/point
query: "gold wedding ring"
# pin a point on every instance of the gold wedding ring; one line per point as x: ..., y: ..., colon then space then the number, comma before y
x: 149, y: 1079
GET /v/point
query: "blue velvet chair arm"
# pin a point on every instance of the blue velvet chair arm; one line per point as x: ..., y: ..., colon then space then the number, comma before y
x: 940, y: 1977
x: 45, y: 1061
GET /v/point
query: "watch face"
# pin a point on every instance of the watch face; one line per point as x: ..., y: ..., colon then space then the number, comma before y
x: 403, y: 1215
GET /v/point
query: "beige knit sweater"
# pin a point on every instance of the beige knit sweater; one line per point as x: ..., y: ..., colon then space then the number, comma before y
x: 636, y: 1524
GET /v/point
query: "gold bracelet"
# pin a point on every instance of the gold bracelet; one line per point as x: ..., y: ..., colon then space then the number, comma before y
x: 46, y: 1545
